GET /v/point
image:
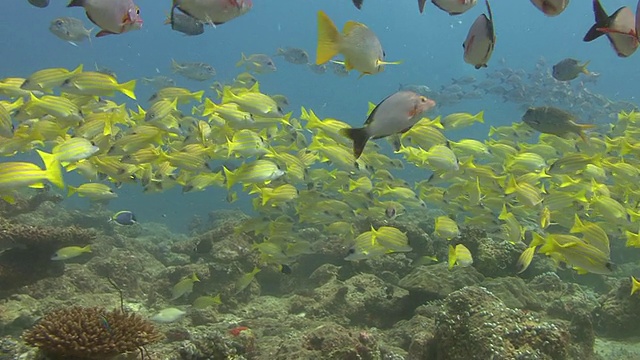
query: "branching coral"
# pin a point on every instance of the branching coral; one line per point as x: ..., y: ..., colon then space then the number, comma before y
x: 90, y: 333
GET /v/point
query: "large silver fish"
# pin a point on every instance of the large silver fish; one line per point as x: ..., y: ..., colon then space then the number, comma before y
x: 551, y: 7
x: 112, y: 16
x: 39, y: 3
x: 358, y: 4
x: 214, y: 12
x: 454, y: 7
x: 480, y: 41
x: 620, y: 28
x: 395, y: 114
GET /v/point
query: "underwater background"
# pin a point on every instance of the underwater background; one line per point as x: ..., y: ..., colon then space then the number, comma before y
x: 308, y: 301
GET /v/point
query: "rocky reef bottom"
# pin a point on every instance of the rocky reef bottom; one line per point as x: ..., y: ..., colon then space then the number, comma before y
x: 102, y: 304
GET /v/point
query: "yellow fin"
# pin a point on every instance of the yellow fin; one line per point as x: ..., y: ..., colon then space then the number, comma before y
x: 350, y: 25
x: 328, y: 39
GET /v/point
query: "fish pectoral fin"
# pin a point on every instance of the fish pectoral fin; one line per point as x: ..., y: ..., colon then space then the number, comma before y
x: 102, y: 33
x: 605, y: 30
x: 382, y: 62
x: 347, y: 65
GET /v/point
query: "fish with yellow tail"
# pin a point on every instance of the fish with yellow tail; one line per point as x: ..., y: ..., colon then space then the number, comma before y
x: 635, y: 285
x: 112, y: 16
x: 18, y: 175
x: 184, y: 286
x: 480, y: 41
x: 460, y: 256
x: 395, y: 114
x: 359, y: 45
x: 70, y: 252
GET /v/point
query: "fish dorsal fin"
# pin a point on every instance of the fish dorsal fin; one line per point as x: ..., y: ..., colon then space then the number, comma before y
x: 350, y: 25
x: 373, y: 112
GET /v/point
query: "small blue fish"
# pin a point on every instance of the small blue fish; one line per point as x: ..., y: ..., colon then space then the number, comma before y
x: 105, y: 323
x: 124, y: 218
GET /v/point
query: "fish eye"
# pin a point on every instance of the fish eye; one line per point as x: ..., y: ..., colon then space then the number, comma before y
x: 137, y: 11
x: 59, y: 22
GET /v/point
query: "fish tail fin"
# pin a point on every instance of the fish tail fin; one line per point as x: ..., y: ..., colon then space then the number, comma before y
x: 243, y: 59
x: 581, y: 132
x: 174, y: 65
x: 73, y: 3
x: 230, y: 176
x: 360, y: 136
x: 86, y: 249
x: 452, y: 257
x: 635, y: 285
x: 421, y: 4
x: 53, y: 168
x: 583, y: 68
x: 480, y: 117
x: 197, y: 96
x: 328, y: 39
x: 128, y: 89
x: 72, y: 190
x: 602, y: 21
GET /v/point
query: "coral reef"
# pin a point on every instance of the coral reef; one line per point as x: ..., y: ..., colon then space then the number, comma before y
x: 29, y: 258
x: 617, y: 315
x: 90, y: 333
x: 474, y: 324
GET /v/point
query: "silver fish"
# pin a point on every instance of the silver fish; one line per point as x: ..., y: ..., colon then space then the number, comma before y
x: 568, y: 69
x: 39, y: 3
x: 480, y: 41
x: 215, y: 12
x: 70, y: 29
x: 186, y: 24
x: 293, y: 55
x: 159, y: 82
x: 193, y: 70
x: 395, y: 114
x: 318, y: 69
x: 454, y: 7
x: 551, y: 7
x: 620, y: 28
x: 421, y: 3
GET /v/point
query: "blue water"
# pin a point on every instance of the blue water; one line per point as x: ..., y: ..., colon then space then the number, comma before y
x: 429, y: 44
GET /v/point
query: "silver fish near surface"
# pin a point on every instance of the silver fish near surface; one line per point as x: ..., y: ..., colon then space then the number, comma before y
x: 454, y: 7
x: 39, y: 3
x: 112, y: 16
x: 186, y: 24
x: 551, y: 7
x: 620, y: 28
x: 480, y: 40
x: 216, y: 12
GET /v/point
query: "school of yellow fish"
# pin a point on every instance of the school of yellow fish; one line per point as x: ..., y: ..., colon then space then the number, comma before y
x: 570, y: 195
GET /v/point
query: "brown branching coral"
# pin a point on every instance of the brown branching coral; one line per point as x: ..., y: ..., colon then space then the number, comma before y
x: 90, y: 333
